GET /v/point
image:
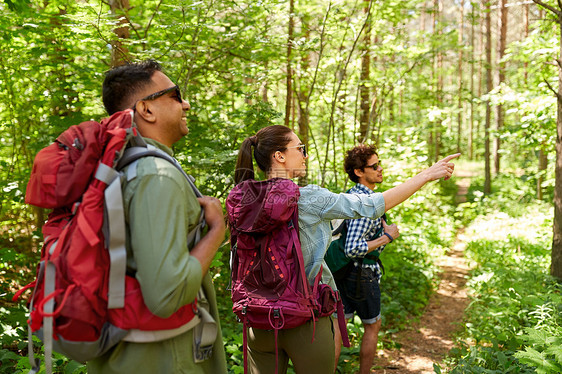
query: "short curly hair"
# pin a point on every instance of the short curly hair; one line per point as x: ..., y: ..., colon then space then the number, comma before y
x: 357, y: 158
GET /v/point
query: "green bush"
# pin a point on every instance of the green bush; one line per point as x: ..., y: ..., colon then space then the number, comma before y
x: 513, y: 321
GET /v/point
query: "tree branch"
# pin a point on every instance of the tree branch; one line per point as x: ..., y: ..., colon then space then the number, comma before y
x: 552, y: 9
x: 553, y: 90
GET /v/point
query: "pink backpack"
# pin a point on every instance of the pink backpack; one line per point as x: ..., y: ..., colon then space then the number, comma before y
x: 270, y: 289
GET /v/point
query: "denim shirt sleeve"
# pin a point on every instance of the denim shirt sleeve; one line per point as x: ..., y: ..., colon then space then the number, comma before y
x: 327, y: 205
x: 317, y: 207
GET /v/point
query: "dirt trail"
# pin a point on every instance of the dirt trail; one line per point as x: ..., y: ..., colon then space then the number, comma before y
x: 430, y: 339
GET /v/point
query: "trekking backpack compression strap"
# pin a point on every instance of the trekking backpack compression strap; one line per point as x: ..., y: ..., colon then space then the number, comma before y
x: 115, y: 231
x: 115, y: 228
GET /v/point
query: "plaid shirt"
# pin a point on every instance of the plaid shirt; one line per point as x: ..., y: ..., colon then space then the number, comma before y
x: 362, y: 230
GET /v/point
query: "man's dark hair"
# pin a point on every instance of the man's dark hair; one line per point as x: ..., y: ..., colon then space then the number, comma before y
x: 357, y: 158
x: 124, y: 81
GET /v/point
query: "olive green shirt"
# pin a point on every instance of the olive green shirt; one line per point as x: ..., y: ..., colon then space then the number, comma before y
x: 160, y: 209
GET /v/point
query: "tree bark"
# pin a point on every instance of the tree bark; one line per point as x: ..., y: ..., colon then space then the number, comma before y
x: 119, y: 52
x: 489, y: 86
x: 290, y: 37
x: 556, y: 256
x: 543, y: 164
x: 556, y: 259
x: 472, y: 60
x: 460, y: 82
x: 364, y: 83
x: 525, y: 35
x: 501, y: 76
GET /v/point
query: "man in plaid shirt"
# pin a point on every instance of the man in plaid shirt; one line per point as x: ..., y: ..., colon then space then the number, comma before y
x: 366, y: 239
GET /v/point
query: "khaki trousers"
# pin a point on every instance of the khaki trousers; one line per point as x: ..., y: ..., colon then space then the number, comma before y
x: 307, y: 355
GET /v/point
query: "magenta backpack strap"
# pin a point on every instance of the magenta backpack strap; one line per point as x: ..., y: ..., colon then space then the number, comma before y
x: 295, y: 244
x: 341, y: 322
x: 245, y: 343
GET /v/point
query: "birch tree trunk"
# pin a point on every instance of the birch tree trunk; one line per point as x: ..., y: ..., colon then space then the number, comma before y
x: 119, y: 52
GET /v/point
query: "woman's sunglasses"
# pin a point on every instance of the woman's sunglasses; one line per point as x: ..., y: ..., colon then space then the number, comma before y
x: 302, y: 148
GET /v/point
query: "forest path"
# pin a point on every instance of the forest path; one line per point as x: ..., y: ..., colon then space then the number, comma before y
x: 428, y: 340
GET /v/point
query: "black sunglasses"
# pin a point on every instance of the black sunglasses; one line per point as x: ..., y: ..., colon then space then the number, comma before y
x: 375, y: 166
x: 158, y: 94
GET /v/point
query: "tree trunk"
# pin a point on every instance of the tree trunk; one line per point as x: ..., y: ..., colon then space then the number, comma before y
x: 556, y: 259
x: 364, y: 83
x: 471, y: 123
x: 543, y: 164
x: 556, y: 256
x: 460, y: 102
x: 303, y: 96
x: 119, y: 52
x: 290, y: 36
x: 439, y: 123
x: 501, y: 76
x: 481, y: 54
x: 525, y: 35
x: 489, y: 86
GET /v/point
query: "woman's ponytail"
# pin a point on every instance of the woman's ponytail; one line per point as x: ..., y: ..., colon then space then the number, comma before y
x: 265, y: 143
x: 244, y: 165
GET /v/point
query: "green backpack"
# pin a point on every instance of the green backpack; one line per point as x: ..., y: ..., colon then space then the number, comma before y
x: 340, y: 265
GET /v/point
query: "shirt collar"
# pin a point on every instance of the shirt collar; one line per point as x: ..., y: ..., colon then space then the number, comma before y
x: 159, y: 145
x: 359, y: 187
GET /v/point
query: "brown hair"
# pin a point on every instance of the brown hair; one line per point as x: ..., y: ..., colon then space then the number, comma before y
x: 357, y: 158
x: 266, y: 142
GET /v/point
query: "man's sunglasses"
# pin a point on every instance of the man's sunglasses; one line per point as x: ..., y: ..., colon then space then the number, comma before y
x: 302, y: 148
x: 375, y: 166
x: 158, y: 94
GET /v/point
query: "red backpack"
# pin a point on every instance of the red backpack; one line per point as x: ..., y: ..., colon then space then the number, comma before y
x: 270, y: 289
x: 83, y: 301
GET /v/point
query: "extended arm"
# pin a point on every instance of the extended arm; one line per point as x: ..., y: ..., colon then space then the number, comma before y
x: 398, y: 194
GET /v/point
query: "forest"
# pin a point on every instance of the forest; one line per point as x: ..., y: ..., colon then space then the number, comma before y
x: 420, y: 79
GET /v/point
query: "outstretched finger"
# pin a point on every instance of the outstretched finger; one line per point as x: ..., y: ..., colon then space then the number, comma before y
x: 450, y: 157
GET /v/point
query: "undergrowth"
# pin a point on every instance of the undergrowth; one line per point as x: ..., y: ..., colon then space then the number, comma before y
x: 427, y: 228
x: 513, y: 323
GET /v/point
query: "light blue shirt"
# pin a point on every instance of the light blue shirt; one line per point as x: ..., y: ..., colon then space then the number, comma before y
x: 317, y: 207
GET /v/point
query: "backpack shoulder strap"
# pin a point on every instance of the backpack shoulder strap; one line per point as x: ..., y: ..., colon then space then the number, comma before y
x: 133, y: 154
x: 340, y: 229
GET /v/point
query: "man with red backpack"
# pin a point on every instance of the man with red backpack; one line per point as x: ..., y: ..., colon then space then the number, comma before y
x: 160, y: 210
